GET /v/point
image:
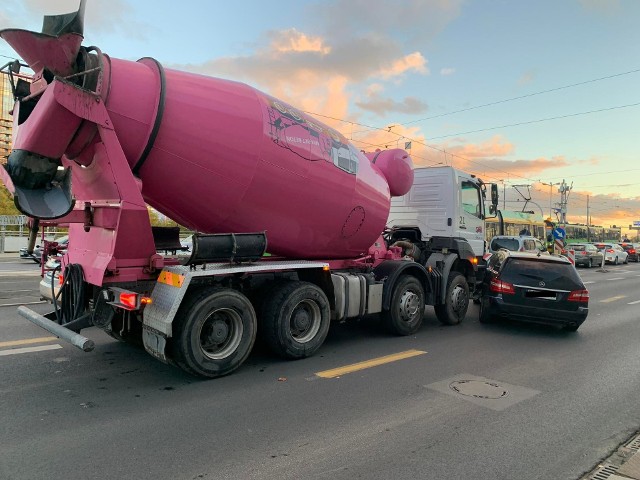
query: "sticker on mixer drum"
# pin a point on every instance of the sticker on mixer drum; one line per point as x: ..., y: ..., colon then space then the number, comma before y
x: 311, y: 140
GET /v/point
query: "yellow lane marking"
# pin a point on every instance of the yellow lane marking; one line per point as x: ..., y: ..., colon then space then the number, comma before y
x: 39, y: 348
x: 27, y: 341
x: 613, y: 299
x: 374, y: 362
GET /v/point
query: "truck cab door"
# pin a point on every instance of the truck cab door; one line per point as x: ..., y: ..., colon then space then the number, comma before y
x: 470, y: 215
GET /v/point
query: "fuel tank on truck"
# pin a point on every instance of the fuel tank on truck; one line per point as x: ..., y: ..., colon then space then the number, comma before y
x: 219, y: 156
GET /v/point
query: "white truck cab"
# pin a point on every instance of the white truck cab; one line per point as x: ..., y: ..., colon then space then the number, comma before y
x: 443, y: 202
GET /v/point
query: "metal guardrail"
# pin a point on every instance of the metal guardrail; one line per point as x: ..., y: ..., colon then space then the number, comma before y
x: 13, y: 220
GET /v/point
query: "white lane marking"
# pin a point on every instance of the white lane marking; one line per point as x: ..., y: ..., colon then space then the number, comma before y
x: 633, y: 303
x: 588, y: 283
x: 22, y: 303
x: 616, y: 278
x: 24, y: 273
x: 16, y: 351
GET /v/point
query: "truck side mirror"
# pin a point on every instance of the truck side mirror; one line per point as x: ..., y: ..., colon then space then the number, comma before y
x: 492, y: 209
x: 494, y: 195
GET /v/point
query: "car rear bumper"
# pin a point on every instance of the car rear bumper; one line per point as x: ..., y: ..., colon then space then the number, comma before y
x: 45, y: 289
x: 545, y: 316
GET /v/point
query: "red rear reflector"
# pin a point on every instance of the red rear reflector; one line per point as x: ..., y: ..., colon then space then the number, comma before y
x: 129, y: 299
x: 499, y: 286
x: 579, y: 296
x: 60, y: 279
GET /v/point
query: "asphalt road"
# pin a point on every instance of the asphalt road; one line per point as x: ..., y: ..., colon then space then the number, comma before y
x: 562, y: 401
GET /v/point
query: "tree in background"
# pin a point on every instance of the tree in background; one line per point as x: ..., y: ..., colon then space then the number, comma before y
x: 6, y: 202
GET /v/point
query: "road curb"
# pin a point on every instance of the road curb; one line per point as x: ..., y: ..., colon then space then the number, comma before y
x: 623, y: 464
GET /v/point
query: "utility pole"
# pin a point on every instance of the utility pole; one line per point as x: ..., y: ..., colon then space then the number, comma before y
x: 504, y: 195
x: 564, y: 199
x: 550, y: 185
x: 588, y: 222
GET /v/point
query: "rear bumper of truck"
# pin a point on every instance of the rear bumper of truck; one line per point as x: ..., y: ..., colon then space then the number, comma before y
x: 60, y: 331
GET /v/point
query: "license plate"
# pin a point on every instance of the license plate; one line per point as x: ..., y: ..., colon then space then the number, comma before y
x: 542, y: 294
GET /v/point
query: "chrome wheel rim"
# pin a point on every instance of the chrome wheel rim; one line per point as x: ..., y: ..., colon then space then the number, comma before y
x: 220, y: 334
x: 305, y: 321
x: 458, y: 300
x: 409, y: 306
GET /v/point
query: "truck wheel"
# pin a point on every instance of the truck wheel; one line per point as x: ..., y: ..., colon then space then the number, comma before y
x: 213, y: 332
x: 295, y: 319
x: 404, y: 316
x: 456, y: 301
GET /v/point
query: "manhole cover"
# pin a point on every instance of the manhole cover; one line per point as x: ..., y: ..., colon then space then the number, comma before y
x: 478, y: 389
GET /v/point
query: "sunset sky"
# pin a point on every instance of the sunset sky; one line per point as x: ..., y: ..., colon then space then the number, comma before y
x: 518, y: 92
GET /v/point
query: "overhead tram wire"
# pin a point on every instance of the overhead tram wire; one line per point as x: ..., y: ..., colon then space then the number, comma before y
x: 520, y: 97
x: 540, y: 120
x: 400, y: 136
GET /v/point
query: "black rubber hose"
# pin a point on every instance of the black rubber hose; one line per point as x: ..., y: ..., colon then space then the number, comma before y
x: 71, y: 293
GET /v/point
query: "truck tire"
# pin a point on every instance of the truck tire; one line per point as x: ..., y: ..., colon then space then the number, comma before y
x: 404, y: 316
x: 213, y: 332
x: 456, y: 300
x: 295, y: 319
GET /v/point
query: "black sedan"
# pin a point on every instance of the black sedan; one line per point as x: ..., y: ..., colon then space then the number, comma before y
x: 534, y: 288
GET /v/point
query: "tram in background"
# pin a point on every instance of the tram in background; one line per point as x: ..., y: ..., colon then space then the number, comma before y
x: 581, y: 233
x: 515, y: 222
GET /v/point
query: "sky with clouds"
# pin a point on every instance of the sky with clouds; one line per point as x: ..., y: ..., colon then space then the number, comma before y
x: 517, y: 92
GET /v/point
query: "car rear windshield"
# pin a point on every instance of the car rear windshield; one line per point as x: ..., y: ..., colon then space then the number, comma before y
x: 577, y: 248
x: 533, y: 272
x: 507, y: 243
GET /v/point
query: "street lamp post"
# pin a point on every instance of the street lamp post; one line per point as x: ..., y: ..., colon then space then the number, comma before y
x: 551, y: 185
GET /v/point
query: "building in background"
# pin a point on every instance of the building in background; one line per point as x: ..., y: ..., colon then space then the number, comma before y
x: 6, y: 120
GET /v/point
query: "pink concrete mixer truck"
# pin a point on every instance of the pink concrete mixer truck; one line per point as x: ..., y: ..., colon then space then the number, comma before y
x: 97, y: 139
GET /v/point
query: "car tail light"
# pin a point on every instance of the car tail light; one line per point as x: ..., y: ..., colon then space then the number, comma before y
x: 610, y: 250
x: 579, y: 296
x: 498, y: 286
x: 583, y: 253
x: 632, y: 251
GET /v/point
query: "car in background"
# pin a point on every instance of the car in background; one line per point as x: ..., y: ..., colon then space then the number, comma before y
x: 544, y: 289
x: 51, y: 275
x: 613, y: 253
x: 586, y: 254
x: 516, y: 243
x: 633, y: 250
x: 55, y: 247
